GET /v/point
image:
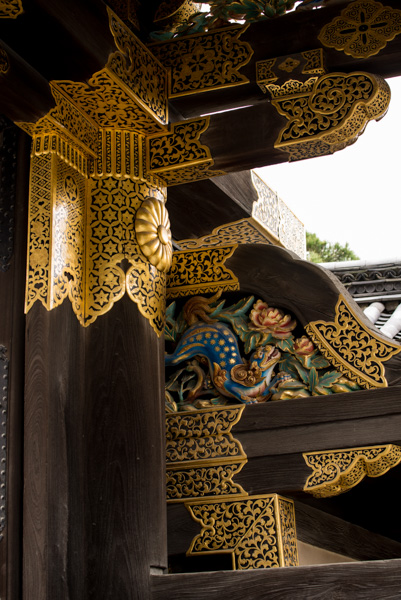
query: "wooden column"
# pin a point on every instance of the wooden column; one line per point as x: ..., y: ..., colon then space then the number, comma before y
x: 94, y: 505
x: 14, y: 165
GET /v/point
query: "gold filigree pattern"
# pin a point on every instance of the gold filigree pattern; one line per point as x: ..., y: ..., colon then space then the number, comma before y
x: 207, y: 447
x: 189, y: 482
x: 275, y: 216
x: 328, y: 114
x: 113, y: 206
x: 207, y: 61
x: 4, y: 62
x: 146, y: 286
x: 108, y: 103
x: 250, y: 529
x: 184, y: 174
x: 337, y: 471
x: 288, y: 532
x: 10, y: 9
x: 202, y: 423
x: 56, y: 234
x: 310, y: 62
x: 201, y: 272
x: 202, y: 454
x: 180, y: 148
x: 244, y: 231
x: 353, y: 348
x: 139, y: 70
x: 364, y: 28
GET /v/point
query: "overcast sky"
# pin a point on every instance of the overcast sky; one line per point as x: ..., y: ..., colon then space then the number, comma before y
x: 353, y: 195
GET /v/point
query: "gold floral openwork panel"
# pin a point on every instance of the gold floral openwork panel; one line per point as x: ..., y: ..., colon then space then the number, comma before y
x: 352, y: 347
x: 363, y: 29
x: 258, y: 531
x: 201, y: 271
x: 328, y: 113
x: 205, y: 61
x: 202, y: 454
x: 337, y: 471
x: 298, y: 66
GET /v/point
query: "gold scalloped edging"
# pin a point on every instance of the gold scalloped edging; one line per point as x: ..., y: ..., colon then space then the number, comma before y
x: 353, y: 348
x: 363, y: 29
x: 258, y: 531
x: 337, y: 471
x: 201, y: 271
x: 327, y: 113
x: 202, y: 454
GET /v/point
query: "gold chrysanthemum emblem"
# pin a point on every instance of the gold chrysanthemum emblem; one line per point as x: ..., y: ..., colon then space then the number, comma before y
x: 152, y: 228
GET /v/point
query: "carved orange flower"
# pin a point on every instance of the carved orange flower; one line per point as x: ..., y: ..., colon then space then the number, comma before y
x: 152, y: 228
x: 303, y: 346
x: 273, y: 320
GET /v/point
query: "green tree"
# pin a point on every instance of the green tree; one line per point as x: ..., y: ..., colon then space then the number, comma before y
x: 321, y: 251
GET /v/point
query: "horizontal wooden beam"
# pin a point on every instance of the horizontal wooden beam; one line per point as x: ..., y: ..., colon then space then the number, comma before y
x: 287, y: 35
x: 358, y: 581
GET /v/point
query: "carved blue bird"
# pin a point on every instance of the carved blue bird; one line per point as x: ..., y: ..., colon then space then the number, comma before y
x: 247, y: 381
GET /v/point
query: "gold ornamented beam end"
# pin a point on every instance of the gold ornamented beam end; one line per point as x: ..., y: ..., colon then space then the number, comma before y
x: 258, y: 531
x: 337, y: 471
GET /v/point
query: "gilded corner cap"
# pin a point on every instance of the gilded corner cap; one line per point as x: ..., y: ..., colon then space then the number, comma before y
x: 325, y: 114
x: 337, y: 471
x: 352, y: 347
x: 258, y: 531
x: 363, y: 29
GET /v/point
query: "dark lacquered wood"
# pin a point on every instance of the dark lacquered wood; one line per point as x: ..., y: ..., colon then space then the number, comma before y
x: 195, y: 209
x: 12, y: 336
x: 360, y: 581
x: 283, y: 36
x: 94, y: 505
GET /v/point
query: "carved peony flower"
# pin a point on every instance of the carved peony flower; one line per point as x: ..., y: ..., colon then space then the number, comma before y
x: 273, y: 320
x: 152, y: 228
x: 303, y: 346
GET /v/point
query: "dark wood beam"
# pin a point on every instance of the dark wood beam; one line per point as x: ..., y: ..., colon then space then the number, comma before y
x: 195, y: 209
x: 359, y: 581
x: 289, y: 34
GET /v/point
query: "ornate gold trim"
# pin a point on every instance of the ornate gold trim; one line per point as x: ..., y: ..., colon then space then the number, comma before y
x: 337, y: 471
x: 244, y: 231
x: 179, y: 156
x: 4, y: 62
x: 202, y: 454
x: 10, y: 9
x: 258, y: 531
x: 363, y: 29
x: 205, y: 61
x: 201, y: 272
x: 310, y: 62
x: 328, y: 113
x: 353, y: 348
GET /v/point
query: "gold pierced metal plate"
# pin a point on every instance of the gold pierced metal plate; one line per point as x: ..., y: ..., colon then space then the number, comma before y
x: 363, y: 29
